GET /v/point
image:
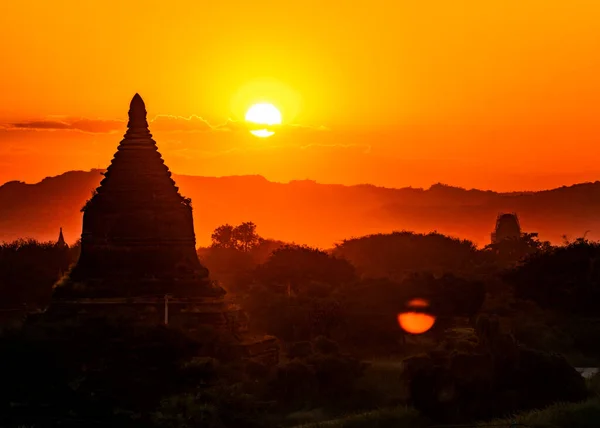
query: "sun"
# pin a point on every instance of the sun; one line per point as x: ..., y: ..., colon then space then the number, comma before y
x: 263, y: 114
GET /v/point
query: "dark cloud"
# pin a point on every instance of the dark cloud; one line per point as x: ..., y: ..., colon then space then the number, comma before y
x: 160, y: 123
x: 93, y: 126
x: 42, y: 125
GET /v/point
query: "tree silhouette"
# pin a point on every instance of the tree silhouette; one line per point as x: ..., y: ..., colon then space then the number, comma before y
x: 242, y: 237
x: 298, y: 269
x: 511, y: 250
x: 449, y: 295
x: 245, y: 236
x: 397, y: 254
x: 565, y: 278
x: 223, y: 237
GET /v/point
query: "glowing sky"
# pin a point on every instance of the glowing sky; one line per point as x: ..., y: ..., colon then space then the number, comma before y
x: 500, y: 94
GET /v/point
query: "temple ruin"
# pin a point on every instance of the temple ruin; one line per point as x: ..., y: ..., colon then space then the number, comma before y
x: 138, y: 250
x: 507, y: 227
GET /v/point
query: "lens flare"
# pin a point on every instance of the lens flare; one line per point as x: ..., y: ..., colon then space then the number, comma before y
x: 416, y: 319
x: 418, y: 303
x: 416, y: 322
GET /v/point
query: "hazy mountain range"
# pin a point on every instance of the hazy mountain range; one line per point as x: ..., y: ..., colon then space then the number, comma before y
x: 311, y: 213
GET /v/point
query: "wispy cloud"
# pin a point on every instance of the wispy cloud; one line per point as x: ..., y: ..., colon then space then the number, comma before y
x: 47, y: 124
x: 366, y: 147
x: 159, y: 123
x: 169, y: 123
x: 93, y: 126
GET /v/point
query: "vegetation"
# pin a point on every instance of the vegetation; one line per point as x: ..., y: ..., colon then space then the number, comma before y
x: 568, y: 415
x: 242, y: 237
x: 399, y: 417
x: 511, y: 321
x: 29, y: 269
x: 400, y: 253
x: 572, y: 415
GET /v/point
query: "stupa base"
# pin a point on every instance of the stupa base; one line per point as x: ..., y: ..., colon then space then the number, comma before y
x: 190, y: 315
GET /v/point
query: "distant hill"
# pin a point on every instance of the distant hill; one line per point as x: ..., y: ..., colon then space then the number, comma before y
x: 312, y: 213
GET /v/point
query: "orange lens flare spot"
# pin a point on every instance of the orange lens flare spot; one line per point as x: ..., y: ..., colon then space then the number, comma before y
x: 418, y: 303
x: 415, y: 322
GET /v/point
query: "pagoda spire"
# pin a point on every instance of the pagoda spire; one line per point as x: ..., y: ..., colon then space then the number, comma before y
x: 137, y: 127
x: 61, y: 240
x: 137, y: 227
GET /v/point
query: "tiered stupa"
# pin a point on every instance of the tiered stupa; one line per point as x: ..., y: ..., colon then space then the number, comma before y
x: 138, y: 232
x: 138, y: 249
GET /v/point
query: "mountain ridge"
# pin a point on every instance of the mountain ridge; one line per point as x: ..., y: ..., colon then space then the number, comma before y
x: 312, y: 213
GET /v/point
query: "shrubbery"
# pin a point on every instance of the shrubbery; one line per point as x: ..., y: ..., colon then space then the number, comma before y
x: 495, y: 377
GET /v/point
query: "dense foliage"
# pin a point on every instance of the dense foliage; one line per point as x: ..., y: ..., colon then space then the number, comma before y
x: 565, y: 278
x: 29, y: 269
x: 502, y: 314
x: 399, y: 253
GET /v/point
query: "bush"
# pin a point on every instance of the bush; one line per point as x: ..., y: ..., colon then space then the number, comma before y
x: 301, y: 350
x: 457, y: 387
x: 215, y: 407
x: 256, y: 370
x: 183, y: 411
x: 200, y: 368
x: 293, y: 382
x: 325, y: 346
x: 383, y: 384
x: 399, y: 253
x: 336, y: 375
x: 593, y: 385
x: 566, y: 278
x: 89, y: 370
x: 324, y: 378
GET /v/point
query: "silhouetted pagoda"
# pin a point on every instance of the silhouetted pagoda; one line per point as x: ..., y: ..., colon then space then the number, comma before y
x: 64, y: 248
x: 138, y: 249
x: 507, y: 227
x: 60, y: 243
x: 138, y: 232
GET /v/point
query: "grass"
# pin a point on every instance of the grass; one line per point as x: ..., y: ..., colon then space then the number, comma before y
x: 585, y: 414
x: 593, y: 384
x: 397, y: 417
x: 561, y: 415
x: 384, y: 384
x: 582, y: 360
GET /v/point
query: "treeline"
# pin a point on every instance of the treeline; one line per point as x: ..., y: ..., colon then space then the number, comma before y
x: 354, y: 292
x: 330, y: 309
x: 29, y: 269
x: 493, y: 307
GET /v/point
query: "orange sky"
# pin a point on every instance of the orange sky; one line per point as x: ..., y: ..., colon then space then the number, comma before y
x: 499, y: 94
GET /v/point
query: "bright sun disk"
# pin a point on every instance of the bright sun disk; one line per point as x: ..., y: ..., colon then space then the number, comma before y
x: 263, y: 114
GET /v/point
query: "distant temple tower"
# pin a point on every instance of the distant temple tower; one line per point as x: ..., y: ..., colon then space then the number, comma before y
x: 507, y: 227
x: 138, y: 252
x: 60, y: 243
